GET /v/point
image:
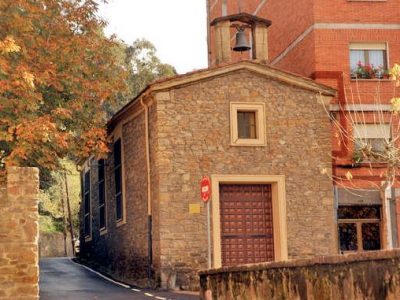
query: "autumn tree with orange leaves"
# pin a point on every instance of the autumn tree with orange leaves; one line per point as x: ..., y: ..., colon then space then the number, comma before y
x: 57, y: 70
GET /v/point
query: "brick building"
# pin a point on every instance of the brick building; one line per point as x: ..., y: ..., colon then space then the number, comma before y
x: 327, y: 40
x: 259, y: 133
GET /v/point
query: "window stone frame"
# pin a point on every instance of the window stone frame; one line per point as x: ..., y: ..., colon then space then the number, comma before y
x: 259, y: 109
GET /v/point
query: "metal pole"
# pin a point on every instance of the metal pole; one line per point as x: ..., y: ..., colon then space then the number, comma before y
x: 209, y: 234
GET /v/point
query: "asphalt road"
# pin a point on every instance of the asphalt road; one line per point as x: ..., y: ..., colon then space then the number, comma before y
x: 60, y: 278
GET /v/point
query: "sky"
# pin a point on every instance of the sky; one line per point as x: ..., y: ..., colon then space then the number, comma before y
x: 177, y: 28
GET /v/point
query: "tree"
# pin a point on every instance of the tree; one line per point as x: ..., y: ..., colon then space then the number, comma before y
x: 143, y: 66
x: 57, y: 70
x: 51, y: 208
x: 146, y: 66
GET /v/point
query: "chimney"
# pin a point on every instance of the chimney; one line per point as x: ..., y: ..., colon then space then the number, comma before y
x: 223, y: 37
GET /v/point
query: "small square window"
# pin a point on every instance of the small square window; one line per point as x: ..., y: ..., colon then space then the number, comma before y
x: 247, y: 124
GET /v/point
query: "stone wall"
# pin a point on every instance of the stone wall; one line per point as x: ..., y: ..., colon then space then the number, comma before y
x: 121, y: 250
x: 194, y: 140
x: 19, y: 269
x: 52, y: 244
x: 364, y: 276
x: 190, y: 137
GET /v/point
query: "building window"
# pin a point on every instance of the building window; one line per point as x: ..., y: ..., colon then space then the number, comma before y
x: 247, y: 122
x: 87, y: 208
x: 359, y: 228
x: 102, y: 194
x: 372, y: 136
x: 247, y: 128
x: 368, y: 60
x: 118, y: 180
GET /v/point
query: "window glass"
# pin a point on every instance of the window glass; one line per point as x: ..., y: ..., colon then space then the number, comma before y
x: 377, y: 145
x: 375, y: 136
x: 118, y: 179
x: 86, y: 199
x: 359, y: 227
x: 348, y: 236
x: 102, y: 217
x: 359, y: 212
x: 117, y: 152
x: 87, y: 181
x: 246, y: 124
x: 101, y: 192
x: 101, y: 169
x: 371, y: 236
x: 118, y: 183
x: 119, y: 206
x: 368, y: 60
x: 356, y: 56
x: 376, y: 58
x: 87, y: 203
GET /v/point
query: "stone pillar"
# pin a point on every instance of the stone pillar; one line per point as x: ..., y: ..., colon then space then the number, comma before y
x: 19, y: 265
x: 223, y: 42
x: 260, y: 43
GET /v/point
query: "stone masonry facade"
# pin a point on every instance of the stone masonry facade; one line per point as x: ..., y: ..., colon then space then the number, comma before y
x: 194, y: 140
x: 189, y: 136
x: 19, y: 262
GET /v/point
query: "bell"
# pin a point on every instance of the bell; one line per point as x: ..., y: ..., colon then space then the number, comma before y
x: 241, y: 42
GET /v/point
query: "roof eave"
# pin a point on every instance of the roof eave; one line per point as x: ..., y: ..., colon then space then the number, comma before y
x: 265, y: 70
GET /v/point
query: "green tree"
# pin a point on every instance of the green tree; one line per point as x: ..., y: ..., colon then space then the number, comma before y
x: 52, y: 211
x: 143, y: 65
x: 146, y: 66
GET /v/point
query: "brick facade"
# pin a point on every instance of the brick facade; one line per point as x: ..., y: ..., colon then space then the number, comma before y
x: 189, y: 136
x: 19, y: 265
x: 312, y: 38
x: 122, y: 249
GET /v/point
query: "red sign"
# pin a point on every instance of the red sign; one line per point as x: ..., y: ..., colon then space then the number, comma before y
x: 205, y: 188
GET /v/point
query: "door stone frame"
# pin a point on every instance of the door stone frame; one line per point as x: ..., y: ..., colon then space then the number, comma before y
x: 278, y: 211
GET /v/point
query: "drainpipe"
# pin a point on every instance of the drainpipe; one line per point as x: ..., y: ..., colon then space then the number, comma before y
x: 149, y: 216
x: 208, y: 34
x: 224, y: 8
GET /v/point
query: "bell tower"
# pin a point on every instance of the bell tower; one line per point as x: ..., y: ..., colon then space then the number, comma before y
x: 245, y: 25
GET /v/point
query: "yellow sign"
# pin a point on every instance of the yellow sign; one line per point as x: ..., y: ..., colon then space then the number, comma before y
x: 194, y: 209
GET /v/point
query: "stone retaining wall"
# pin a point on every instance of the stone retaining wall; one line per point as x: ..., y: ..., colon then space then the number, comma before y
x: 373, y: 275
x: 52, y: 244
x: 19, y: 269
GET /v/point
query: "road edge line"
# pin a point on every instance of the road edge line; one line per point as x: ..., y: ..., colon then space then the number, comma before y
x: 101, y: 275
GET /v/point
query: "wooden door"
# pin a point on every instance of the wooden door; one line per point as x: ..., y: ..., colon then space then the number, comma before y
x: 246, y: 224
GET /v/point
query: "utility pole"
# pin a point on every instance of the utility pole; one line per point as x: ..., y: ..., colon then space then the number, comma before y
x: 69, y: 214
x: 64, y: 222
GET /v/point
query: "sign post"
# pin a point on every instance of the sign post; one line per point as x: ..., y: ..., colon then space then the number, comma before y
x: 205, y: 192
